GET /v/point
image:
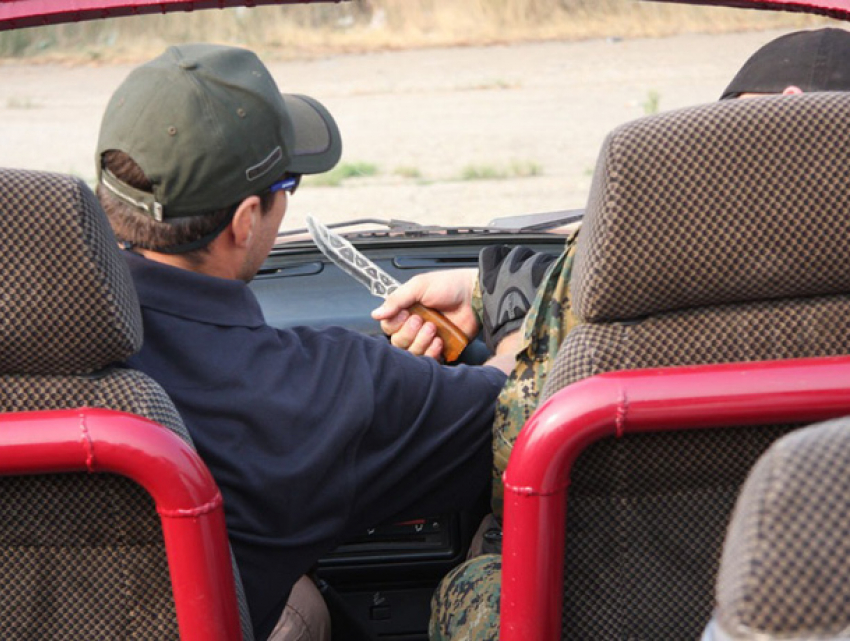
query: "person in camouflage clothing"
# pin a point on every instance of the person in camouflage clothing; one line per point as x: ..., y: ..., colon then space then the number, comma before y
x: 547, y: 322
x: 466, y: 603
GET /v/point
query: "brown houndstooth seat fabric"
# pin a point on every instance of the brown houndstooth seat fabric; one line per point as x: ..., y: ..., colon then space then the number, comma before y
x: 713, y: 234
x: 81, y: 555
x: 783, y: 574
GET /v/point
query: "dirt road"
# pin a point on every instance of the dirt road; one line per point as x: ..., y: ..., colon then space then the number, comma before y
x: 429, y: 121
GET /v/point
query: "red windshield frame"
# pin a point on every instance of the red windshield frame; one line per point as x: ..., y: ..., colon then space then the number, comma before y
x: 832, y: 8
x: 18, y: 14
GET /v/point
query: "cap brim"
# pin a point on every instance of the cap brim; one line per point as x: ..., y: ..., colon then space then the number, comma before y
x: 318, y: 144
x: 813, y: 60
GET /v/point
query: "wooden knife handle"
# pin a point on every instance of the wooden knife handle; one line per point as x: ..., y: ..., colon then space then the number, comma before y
x: 454, y: 340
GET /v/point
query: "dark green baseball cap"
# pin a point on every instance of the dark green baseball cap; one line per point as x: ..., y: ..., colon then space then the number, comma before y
x: 209, y: 127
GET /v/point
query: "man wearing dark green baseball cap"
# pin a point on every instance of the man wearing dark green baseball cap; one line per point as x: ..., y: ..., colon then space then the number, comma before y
x: 311, y: 435
x: 208, y: 126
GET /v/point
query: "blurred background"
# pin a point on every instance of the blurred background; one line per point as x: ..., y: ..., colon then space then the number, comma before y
x: 452, y: 112
x: 293, y: 31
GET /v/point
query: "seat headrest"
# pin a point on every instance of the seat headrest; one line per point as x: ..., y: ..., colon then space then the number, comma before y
x: 786, y: 558
x: 67, y: 301
x: 729, y: 202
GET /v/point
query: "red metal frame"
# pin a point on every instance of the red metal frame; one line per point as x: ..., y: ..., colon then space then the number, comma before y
x: 537, y: 477
x: 833, y: 8
x: 187, y: 499
x: 18, y: 14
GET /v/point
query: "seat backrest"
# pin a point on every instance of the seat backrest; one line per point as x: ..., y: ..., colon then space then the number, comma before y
x: 712, y: 234
x: 786, y: 558
x: 82, y: 554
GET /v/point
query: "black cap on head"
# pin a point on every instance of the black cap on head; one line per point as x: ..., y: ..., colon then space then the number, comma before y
x: 816, y: 60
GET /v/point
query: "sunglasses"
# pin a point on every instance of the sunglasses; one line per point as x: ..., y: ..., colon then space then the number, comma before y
x: 288, y: 184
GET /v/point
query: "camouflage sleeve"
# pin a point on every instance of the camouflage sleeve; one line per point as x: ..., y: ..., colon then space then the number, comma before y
x: 549, y: 319
x: 478, y: 302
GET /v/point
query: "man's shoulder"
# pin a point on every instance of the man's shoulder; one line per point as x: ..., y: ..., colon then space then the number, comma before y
x: 187, y: 296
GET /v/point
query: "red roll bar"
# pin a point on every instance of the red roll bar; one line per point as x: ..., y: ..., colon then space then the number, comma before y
x: 538, y: 473
x: 17, y: 14
x: 187, y: 499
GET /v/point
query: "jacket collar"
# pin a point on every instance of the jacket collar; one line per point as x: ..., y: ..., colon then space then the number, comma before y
x: 198, y: 297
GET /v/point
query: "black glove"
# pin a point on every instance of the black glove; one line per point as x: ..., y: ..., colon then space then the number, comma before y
x: 509, y: 280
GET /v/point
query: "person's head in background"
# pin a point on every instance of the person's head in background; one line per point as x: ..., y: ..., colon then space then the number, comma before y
x: 799, y: 62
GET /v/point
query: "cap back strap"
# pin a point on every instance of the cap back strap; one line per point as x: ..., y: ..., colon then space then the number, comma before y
x: 143, y: 201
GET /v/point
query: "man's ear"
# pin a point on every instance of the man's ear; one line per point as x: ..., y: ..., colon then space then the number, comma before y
x: 242, y: 226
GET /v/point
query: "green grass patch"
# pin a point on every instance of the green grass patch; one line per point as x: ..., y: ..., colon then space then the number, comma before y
x: 516, y: 169
x: 408, y: 172
x: 651, y: 103
x: 342, y: 172
x: 20, y: 103
x: 525, y: 169
x: 482, y: 172
x: 497, y: 84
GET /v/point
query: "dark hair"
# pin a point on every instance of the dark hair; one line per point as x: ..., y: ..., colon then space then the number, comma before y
x: 135, y: 228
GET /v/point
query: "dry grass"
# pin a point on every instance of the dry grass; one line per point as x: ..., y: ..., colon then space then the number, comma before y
x: 299, y: 31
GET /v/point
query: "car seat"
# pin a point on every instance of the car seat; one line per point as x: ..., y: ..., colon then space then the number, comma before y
x: 786, y: 558
x: 82, y: 554
x: 713, y: 234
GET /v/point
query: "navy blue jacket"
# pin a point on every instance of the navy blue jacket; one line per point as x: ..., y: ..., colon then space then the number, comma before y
x: 311, y: 435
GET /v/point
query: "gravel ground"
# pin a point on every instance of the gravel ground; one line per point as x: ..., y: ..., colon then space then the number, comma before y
x: 424, y: 119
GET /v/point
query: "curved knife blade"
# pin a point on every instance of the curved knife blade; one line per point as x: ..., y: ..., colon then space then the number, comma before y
x: 351, y: 260
x: 381, y: 284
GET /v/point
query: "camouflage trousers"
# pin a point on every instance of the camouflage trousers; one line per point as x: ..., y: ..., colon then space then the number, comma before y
x: 466, y: 603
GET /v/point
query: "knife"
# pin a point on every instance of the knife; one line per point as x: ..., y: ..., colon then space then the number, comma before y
x: 381, y: 284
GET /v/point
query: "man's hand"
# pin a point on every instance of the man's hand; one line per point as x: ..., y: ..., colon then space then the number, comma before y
x: 449, y: 292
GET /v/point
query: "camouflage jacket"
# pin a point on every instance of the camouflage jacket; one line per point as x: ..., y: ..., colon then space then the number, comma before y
x: 547, y: 322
